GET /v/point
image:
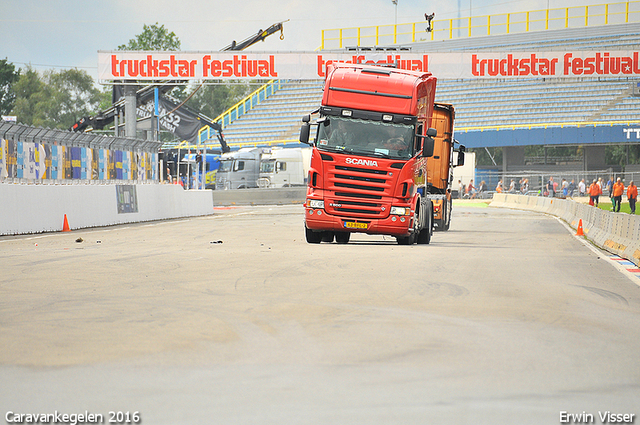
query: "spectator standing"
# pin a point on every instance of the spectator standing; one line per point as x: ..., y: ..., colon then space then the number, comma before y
x: 565, y: 188
x: 512, y: 186
x: 582, y: 188
x: 551, y: 188
x: 461, y: 189
x: 608, y: 186
x: 632, y: 196
x: 483, y: 187
x: 524, y: 187
x: 572, y: 187
x: 617, y: 190
x: 594, y: 193
x: 471, y: 190
x: 499, y: 187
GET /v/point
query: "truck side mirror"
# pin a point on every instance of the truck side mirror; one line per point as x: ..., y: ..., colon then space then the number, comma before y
x: 429, y: 143
x: 304, y: 133
x: 427, y: 149
x: 461, y: 152
x: 305, y: 130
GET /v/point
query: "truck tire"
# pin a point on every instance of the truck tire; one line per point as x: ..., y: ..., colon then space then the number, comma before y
x: 312, y: 237
x: 343, y: 237
x: 424, y: 237
x: 413, y: 237
x: 327, y: 236
x: 447, y: 219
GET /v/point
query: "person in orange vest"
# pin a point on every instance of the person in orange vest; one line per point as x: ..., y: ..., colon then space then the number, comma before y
x: 632, y: 196
x: 616, y: 192
x: 594, y: 193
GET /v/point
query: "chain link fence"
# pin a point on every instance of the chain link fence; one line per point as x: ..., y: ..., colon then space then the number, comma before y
x: 534, y: 183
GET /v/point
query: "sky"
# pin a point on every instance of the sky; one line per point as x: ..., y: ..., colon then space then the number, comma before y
x: 59, y: 34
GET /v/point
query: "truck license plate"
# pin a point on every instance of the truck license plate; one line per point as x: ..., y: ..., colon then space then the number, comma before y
x: 354, y: 225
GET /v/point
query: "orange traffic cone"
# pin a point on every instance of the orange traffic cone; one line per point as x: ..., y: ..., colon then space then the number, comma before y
x: 580, y: 232
x: 65, y: 225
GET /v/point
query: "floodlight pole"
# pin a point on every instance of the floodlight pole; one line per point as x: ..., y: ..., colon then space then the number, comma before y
x: 395, y: 22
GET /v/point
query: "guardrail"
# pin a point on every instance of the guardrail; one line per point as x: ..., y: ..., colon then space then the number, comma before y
x: 35, y: 155
x: 546, y: 125
x: 475, y: 26
x: 618, y: 233
x: 239, y: 109
x: 216, y: 145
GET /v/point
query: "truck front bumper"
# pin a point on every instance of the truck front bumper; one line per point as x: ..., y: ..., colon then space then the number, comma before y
x: 318, y: 219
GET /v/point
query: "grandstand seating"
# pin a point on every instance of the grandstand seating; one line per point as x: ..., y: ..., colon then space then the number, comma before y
x: 278, y: 117
x: 482, y: 103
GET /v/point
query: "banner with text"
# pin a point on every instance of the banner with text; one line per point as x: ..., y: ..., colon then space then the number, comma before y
x: 163, y: 66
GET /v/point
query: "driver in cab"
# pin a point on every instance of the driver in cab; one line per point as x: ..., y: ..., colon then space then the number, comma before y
x: 395, y: 141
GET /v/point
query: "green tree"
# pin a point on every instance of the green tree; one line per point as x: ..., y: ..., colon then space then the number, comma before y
x: 73, y: 96
x: 30, y: 92
x: 57, y: 99
x: 153, y: 37
x: 212, y: 100
x: 8, y: 77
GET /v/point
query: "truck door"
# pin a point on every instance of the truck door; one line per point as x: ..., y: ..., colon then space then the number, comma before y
x: 438, y: 166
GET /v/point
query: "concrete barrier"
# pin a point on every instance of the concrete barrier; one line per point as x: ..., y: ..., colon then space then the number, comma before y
x: 280, y: 196
x: 28, y: 209
x: 617, y: 233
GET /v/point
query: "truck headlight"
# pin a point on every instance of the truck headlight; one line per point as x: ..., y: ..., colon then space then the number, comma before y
x: 400, y: 211
x: 315, y: 203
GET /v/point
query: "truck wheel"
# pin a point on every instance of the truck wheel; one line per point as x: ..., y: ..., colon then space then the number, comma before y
x: 411, y: 239
x: 312, y: 237
x: 425, y: 234
x: 448, y: 217
x: 343, y: 237
x: 327, y: 236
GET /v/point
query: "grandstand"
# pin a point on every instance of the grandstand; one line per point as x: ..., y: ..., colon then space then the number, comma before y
x: 490, y: 112
x: 277, y: 118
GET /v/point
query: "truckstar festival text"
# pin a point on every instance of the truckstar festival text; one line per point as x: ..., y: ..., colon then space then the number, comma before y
x: 118, y: 65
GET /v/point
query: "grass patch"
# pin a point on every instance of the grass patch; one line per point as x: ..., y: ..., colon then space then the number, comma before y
x: 471, y: 203
x: 624, y: 207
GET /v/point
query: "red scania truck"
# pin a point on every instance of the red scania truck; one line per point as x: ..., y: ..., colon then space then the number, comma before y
x: 369, y: 163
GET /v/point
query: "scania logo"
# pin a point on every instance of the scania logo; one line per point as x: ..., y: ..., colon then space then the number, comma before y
x: 358, y: 161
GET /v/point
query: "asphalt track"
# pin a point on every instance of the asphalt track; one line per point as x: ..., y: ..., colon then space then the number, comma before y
x: 234, y: 319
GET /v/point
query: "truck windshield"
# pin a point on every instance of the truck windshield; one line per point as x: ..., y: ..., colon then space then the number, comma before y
x: 225, y: 165
x: 371, y: 138
x: 267, y: 166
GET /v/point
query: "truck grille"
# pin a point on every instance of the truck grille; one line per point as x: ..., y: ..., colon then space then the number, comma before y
x: 358, y: 192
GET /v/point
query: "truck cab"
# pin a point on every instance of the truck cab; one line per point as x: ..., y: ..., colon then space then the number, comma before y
x: 239, y: 169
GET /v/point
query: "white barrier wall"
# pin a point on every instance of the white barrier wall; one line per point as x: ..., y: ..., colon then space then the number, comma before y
x: 41, y: 208
x: 618, y: 233
x: 272, y: 196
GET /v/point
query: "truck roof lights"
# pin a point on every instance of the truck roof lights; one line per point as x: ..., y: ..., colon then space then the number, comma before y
x: 347, y: 113
x: 387, y: 117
